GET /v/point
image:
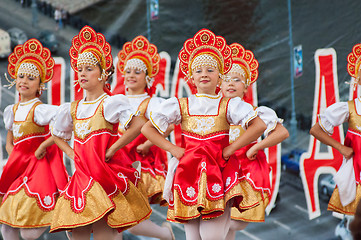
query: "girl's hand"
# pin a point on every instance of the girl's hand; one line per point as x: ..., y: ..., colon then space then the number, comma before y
x: 40, y: 152
x: 109, y: 154
x: 252, y: 153
x: 227, y: 152
x: 177, y: 152
x: 143, y: 149
x: 347, y: 152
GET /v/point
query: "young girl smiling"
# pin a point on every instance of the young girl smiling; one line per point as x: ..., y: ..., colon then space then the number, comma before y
x: 254, y: 171
x: 139, y: 62
x: 34, y: 172
x: 202, y: 188
x: 101, y: 195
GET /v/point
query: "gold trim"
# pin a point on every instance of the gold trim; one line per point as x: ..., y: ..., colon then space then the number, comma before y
x: 336, y: 206
x: 22, y: 211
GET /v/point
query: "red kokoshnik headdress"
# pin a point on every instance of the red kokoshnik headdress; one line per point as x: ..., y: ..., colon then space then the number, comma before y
x: 354, y: 60
x: 205, y: 43
x: 86, y: 42
x: 244, y: 63
x: 142, y: 55
x: 32, y: 59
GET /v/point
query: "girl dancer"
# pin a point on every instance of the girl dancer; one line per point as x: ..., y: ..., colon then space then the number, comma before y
x: 202, y: 189
x: 254, y: 172
x: 101, y: 195
x: 35, y: 171
x: 139, y: 62
x: 335, y: 115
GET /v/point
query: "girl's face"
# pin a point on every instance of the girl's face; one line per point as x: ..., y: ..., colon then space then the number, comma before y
x: 206, y: 79
x: 134, y: 79
x: 88, y: 77
x: 27, y: 86
x: 234, y: 86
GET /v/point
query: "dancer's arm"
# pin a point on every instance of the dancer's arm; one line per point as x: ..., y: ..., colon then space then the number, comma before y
x: 150, y: 132
x: 9, y: 142
x: 323, y: 137
x: 41, y: 150
x: 255, y: 129
x: 279, y: 134
x: 143, y: 148
x: 64, y: 146
x: 129, y: 135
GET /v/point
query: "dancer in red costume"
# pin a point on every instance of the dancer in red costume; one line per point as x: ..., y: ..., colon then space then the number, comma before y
x: 34, y: 173
x: 346, y: 196
x: 139, y: 62
x: 254, y: 171
x: 203, y: 191
x: 101, y: 195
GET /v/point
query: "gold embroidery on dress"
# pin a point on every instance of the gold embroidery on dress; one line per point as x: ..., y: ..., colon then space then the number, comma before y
x: 354, y: 121
x: 82, y: 129
x: 204, y: 125
x: 27, y: 128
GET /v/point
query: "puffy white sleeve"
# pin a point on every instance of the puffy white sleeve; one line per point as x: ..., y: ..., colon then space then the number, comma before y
x: 117, y: 109
x: 168, y: 112
x: 334, y: 115
x: 63, y: 124
x: 240, y: 112
x: 9, y: 117
x: 153, y: 105
x: 45, y: 114
x: 269, y: 117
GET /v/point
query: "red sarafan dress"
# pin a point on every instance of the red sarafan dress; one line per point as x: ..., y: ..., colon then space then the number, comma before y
x: 254, y: 174
x: 98, y: 188
x: 154, y: 164
x: 335, y: 115
x: 29, y: 186
x: 203, y: 182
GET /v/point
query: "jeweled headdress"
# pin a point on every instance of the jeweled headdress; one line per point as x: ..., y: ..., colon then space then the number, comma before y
x: 31, y: 58
x: 90, y: 47
x: 354, y: 60
x: 142, y: 55
x: 244, y: 63
x: 203, y: 49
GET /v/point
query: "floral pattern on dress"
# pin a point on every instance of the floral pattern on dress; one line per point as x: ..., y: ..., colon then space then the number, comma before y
x: 228, y: 181
x: 234, y: 134
x: 216, y: 188
x: 82, y: 129
x: 16, y: 129
x: 204, y: 125
x: 191, y: 192
x: 47, y: 200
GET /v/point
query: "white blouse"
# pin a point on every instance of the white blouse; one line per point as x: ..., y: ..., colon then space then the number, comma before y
x: 116, y: 109
x: 336, y: 114
x: 136, y: 100
x: 44, y: 114
x: 238, y: 112
x: 269, y: 117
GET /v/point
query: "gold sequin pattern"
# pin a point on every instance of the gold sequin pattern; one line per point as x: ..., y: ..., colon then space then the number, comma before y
x: 336, y: 206
x: 27, y: 213
x: 204, y: 125
x: 354, y: 121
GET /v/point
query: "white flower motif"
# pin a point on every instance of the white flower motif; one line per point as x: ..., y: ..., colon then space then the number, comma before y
x: 82, y: 129
x: 80, y: 202
x: 234, y: 134
x: 47, y: 200
x: 216, y: 187
x: 228, y: 181
x: 16, y: 129
x: 204, y: 125
x: 358, y: 127
x: 190, y: 192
